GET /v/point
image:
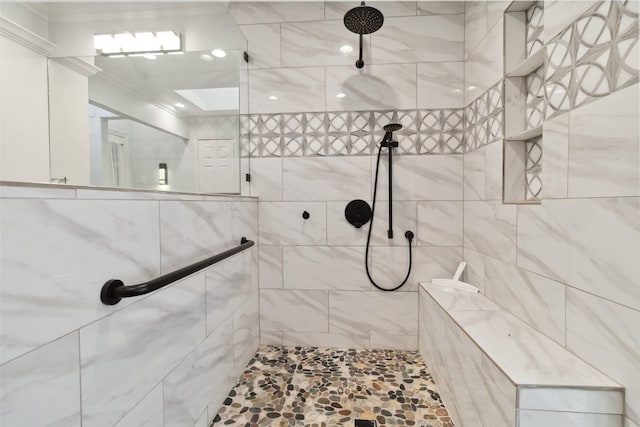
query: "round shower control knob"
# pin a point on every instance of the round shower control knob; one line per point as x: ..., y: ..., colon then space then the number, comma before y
x: 358, y: 213
x: 305, y: 215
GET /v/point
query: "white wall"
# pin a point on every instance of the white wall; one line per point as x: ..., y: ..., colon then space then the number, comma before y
x: 68, y: 124
x: 24, y: 115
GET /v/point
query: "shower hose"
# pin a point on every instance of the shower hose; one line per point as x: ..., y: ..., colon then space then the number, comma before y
x: 408, y: 235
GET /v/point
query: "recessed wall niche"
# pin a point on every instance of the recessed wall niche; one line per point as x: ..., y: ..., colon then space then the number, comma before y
x: 524, y: 101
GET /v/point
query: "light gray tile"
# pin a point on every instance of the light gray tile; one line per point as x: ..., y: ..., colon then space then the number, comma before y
x: 190, y: 231
x: 474, y: 273
x: 605, y: 335
x: 604, y: 142
x: 440, y: 7
x: 42, y: 388
x: 295, y: 90
x: 329, y: 178
x: 374, y: 87
x: 475, y: 174
x: 281, y: 223
x: 528, y: 418
x: 321, y: 43
x: 475, y: 24
x: 591, y: 244
x: 533, y: 298
x: 341, y: 232
x: 169, y: 325
x: 560, y: 14
x: 390, y: 265
x: 246, y: 333
x: 272, y: 337
x: 324, y: 267
x: 555, y: 145
x: 484, y: 65
x: 440, y: 223
x: 378, y: 311
x: 337, y: 340
x: 147, y: 413
x: 422, y: 177
x: 294, y: 310
x: 266, y: 178
x: 571, y: 400
x: 404, y: 219
x: 228, y: 286
x: 337, y: 9
x: 270, y: 267
x: 394, y: 341
x: 490, y: 227
x: 278, y: 11
x: 44, y: 192
x: 493, y: 171
x: 264, y: 45
x: 441, y: 85
x: 63, y: 251
x: 419, y: 39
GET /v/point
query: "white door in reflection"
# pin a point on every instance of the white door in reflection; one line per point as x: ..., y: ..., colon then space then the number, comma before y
x: 217, y: 166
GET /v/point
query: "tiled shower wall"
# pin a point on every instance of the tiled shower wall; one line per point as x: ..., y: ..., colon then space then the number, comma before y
x: 568, y: 266
x: 164, y: 359
x: 312, y: 150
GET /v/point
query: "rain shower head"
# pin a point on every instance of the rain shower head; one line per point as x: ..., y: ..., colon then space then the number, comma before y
x: 363, y: 20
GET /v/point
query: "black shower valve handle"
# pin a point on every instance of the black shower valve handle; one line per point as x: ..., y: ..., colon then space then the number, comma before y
x: 305, y: 215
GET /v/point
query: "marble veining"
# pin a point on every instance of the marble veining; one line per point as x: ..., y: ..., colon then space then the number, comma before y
x: 170, y: 324
x: 42, y: 387
x: 80, y: 245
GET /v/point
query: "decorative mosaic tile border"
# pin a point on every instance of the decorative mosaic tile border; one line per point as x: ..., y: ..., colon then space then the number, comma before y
x: 595, y: 56
x: 533, y: 167
x: 535, y: 103
x: 354, y: 133
x: 484, y: 118
x: 535, y: 26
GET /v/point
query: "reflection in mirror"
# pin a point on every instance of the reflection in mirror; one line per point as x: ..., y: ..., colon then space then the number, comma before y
x: 72, y: 115
x: 166, y: 122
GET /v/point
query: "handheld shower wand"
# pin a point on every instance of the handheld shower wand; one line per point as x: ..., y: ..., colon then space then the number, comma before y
x: 387, y: 142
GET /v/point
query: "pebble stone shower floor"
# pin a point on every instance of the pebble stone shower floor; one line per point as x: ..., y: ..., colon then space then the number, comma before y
x: 313, y: 386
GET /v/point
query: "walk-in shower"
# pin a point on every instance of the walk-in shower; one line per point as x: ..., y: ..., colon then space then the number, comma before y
x: 363, y: 20
x: 358, y: 213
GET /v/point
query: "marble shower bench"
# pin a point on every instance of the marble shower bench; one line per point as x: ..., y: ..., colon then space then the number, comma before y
x: 494, y: 370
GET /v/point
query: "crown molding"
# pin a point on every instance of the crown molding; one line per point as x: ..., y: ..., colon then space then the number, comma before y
x: 29, y: 39
x: 78, y: 65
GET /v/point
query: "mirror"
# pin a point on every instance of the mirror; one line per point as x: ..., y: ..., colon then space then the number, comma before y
x: 154, y: 121
x: 168, y: 122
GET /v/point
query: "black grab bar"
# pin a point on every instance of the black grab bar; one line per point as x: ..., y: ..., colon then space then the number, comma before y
x: 114, y: 290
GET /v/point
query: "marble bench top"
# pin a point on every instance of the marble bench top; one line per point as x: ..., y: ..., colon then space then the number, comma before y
x: 525, y: 355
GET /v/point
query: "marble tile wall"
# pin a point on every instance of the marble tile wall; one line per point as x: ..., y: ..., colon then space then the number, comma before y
x: 565, y: 266
x: 315, y: 123
x: 167, y: 358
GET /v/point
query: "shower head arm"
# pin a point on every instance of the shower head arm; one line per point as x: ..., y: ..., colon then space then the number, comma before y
x: 360, y: 62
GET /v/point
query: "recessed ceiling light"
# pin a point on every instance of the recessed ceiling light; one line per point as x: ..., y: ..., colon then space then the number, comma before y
x: 219, y: 53
x: 179, y: 104
x: 273, y: 97
x: 206, y: 57
x: 340, y: 95
x: 346, y: 48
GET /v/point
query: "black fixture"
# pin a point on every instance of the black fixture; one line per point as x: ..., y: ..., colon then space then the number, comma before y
x: 305, y: 215
x: 390, y: 144
x: 363, y: 20
x: 114, y: 290
x: 357, y: 212
x: 365, y: 423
